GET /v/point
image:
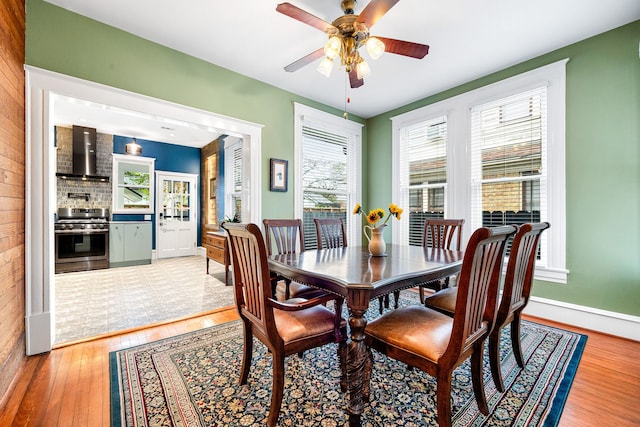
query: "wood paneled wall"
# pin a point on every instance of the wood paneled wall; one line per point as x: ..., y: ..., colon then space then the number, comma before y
x: 12, y: 191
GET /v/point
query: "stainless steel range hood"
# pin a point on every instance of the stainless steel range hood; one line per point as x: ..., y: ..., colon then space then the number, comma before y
x: 84, y: 155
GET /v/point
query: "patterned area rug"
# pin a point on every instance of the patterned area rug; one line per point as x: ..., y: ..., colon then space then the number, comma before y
x: 192, y: 380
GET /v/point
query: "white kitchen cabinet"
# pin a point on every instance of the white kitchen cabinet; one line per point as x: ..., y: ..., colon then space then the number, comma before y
x: 129, y: 243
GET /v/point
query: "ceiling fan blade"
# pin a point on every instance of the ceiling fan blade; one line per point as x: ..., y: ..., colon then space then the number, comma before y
x: 401, y: 47
x: 302, y: 16
x: 354, y: 80
x: 375, y: 10
x: 294, y: 66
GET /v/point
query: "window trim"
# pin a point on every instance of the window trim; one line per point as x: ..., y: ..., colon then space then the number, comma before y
x: 458, y: 112
x: 305, y: 115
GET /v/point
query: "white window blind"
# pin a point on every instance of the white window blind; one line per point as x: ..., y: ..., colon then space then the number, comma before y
x: 423, y: 174
x: 233, y: 180
x: 508, y: 153
x: 324, y: 178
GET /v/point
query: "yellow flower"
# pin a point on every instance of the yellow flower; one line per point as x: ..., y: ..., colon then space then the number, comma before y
x: 372, y: 218
x: 395, y: 211
x: 378, y: 214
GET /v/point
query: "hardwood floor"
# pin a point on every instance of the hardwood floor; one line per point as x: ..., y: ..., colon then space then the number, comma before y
x: 70, y: 386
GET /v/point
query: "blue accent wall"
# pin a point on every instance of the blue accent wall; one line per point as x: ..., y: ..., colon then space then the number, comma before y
x: 169, y: 158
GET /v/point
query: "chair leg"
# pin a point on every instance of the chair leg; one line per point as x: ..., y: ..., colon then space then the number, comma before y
x: 278, y: 388
x: 443, y: 398
x: 287, y: 289
x: 421, y: 292
x: 515, y: 339
x: 247, y: 353
x: 396, y: 297
x: 494, y: 359
x: 380, y: 304
x: 477, y: 378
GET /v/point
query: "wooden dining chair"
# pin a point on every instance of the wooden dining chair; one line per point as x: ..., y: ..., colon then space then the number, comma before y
x: 285, y: 236
x: 515, y: 296
x: 442, y: 234
x: 437, y: 343
x: 285, y: 328
x: 331, y: 233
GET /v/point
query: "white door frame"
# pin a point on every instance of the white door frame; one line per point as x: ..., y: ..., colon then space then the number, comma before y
x: 193, y: 208
x: 40, y: 181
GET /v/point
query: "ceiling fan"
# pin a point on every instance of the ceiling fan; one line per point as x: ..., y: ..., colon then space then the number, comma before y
x: 346, y: 35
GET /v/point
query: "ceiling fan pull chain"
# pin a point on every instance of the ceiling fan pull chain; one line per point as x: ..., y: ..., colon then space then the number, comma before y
x: 347, y: 99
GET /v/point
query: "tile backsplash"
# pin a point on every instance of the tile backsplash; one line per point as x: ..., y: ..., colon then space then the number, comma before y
x: 76, y: 193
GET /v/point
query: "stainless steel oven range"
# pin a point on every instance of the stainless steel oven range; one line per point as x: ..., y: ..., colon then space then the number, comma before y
x: 81, y: 239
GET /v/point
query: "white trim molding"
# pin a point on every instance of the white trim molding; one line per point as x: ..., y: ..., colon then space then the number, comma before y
x: 594, y: 319
x: 40, y: 89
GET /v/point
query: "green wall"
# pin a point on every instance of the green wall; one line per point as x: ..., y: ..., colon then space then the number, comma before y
x: 603, y: 167
x: 68, y: 43
x: 603, y: 130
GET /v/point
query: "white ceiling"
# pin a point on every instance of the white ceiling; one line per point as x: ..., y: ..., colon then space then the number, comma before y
x: 468, y: 39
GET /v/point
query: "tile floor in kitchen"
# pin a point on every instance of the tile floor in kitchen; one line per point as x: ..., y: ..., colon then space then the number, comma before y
x: 96, y: 302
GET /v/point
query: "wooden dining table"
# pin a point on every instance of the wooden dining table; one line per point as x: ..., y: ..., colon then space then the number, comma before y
x: 358, y: 277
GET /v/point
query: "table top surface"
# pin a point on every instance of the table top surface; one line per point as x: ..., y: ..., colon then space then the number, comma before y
x: 342, y: 270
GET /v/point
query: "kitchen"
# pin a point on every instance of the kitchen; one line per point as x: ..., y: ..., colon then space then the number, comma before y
x: 66, y: 101
x: 105, y: 219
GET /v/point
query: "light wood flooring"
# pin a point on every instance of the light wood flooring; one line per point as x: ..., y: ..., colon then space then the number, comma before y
x: 70, y: 386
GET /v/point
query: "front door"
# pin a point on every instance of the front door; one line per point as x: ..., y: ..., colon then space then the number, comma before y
x: 176, y: 214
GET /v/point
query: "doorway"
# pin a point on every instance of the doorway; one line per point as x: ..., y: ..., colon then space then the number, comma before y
x: 176, y: 214
x: 42, y: 87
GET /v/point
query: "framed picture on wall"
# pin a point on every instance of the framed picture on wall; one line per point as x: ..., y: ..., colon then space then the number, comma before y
x: 279, y: 175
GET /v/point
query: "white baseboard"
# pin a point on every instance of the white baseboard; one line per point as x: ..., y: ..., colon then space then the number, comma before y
x: 608, y: 322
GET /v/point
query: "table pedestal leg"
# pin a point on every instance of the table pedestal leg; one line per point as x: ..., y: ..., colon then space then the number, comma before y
x: 357, y: 359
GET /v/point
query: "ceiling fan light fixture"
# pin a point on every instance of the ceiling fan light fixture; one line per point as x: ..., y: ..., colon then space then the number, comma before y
x: 325, y: 66
x: 362, y: 69
x: 375, y: 47
x: 332, y: 47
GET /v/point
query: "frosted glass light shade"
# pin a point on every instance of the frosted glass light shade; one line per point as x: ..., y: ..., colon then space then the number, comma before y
x: 332, y: 47
x: 363, y: 69
x: 375, y: 47
x: 325, y: 67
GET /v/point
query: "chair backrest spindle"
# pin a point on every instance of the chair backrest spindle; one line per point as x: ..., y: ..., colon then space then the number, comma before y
x: 478, y: 284
x: 330, y: 233
x: 285, y: 234
x: 440, y: 233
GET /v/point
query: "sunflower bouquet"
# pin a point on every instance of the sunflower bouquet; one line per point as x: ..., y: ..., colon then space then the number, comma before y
x: 376, y: 215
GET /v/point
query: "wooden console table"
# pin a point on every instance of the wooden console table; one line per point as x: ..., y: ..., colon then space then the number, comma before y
x: 215, y: 242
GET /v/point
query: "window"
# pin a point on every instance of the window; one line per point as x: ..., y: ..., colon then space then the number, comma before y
x: 234, y: 175
x: 133, y: 188
x: 423, y: 173
x: 328, y: 169
x: 508, y: 140
x: 500, y: 160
